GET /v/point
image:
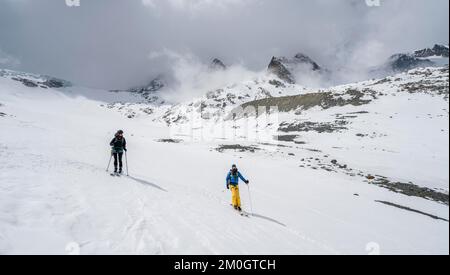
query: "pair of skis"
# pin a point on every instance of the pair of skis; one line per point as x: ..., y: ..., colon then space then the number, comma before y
x: 242, y: 213
x: 115, y: 173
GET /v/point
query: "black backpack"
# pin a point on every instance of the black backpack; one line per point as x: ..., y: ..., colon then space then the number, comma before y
x: 118, y: 143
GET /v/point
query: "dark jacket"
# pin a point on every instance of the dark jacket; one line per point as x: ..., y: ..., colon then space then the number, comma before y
x: 118, y: 145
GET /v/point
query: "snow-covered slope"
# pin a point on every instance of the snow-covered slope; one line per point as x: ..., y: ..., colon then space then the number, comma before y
x: 311, y: 188
x: 394, y: 127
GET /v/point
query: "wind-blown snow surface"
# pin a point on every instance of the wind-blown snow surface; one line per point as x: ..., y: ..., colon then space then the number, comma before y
x: 54, y: 190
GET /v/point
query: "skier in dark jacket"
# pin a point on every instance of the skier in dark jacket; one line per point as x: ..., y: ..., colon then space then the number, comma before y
x: 119, y: 145
x: 233, y: 184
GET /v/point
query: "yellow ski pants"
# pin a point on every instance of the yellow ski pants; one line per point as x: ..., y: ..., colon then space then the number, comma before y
x: 235, y: 197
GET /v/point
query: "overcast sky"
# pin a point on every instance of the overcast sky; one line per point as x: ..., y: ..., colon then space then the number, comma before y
x: 121, y: 43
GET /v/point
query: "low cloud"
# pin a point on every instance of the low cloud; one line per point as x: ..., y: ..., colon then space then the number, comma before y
x: 8, y: 60
x: 194, y: 6
x: 106, y: 43
x: 190, y: 77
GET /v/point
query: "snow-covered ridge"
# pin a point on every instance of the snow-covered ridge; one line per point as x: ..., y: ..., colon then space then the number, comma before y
x: 433, y: 81
x: 437, y: 56
x: 216, y: 105
x: 436, y: 51
x: 215, y: 101
x: 281, y: 74
x: 34, y: 80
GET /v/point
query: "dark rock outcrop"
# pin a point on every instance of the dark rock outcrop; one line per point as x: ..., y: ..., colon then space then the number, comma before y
x: 54, y: 83
x: 49, y: 83
x: 304, y: 59
x: 285, y: 68
x: 217, y: 65
x: 437, y: 50
x: 277, y: 67
x: 406, y: 62
x: 149, y: 92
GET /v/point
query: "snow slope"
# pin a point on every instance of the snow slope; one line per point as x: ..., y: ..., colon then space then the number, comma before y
x: 55, y: 195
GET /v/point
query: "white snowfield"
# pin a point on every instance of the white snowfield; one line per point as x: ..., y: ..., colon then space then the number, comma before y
x: 57, y: 198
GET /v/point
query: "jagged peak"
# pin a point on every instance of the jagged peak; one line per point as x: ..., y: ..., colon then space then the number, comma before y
x: 437, y: 50
x: 303, y: 58
x: 217, y: 64
x: 284, y: 67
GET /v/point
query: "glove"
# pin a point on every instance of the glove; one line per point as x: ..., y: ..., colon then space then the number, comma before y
x: 247, y: 181
x: 228, y: 186
x: 125, y: 149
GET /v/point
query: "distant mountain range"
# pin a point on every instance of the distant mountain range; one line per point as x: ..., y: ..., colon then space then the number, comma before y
x: 289, y: 69
x: 282, y: 77
x: 402, y: 62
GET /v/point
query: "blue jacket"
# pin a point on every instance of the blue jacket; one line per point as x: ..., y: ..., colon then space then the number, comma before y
x: 234, y: 179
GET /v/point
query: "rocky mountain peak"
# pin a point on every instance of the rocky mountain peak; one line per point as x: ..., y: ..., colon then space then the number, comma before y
x: 405, y: 62
x: 217, y: 65
x: 284, y: 67
x: 437, y: 50
x: 277, y: 67
x: 302, y: 58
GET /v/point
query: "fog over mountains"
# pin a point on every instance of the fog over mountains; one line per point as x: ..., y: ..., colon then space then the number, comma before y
x: 120, y: 44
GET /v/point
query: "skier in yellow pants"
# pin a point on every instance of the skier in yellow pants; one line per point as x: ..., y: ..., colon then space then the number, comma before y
x: 233, y: 184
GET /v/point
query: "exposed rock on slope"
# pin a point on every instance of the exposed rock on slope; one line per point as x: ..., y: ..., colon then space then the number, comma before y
x: 437, y: 50
x: 34, y: 80
x: 324, y: 100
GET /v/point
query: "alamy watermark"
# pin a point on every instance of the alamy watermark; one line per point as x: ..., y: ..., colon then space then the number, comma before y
x: 369, y: 3
x: 73, y: 248
x: 373, y: 248
x: 253, y: 124
x: 373, y: 3
x: 73, y: 3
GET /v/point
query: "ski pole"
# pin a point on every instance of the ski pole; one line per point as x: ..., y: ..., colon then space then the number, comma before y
x: 126, y: 162
x: 109, y: 163
x: 250, y: 197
